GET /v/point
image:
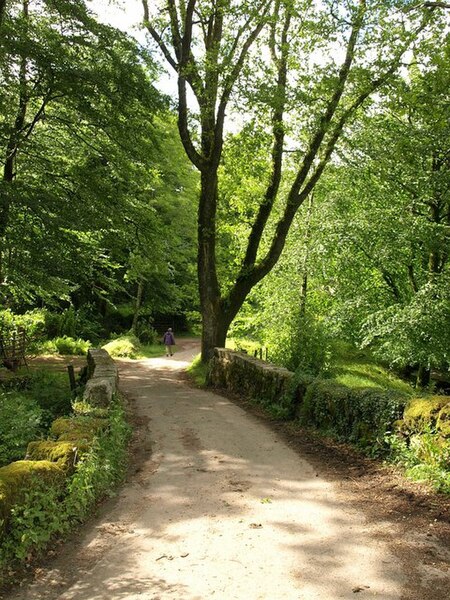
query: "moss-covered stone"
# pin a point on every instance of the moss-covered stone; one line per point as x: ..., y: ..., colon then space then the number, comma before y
x: 18, y: 477
x: 422, y: 413
x: 78, y: 428
x: 65, y: 454
x: 443, y: 420
x: 82, y: 408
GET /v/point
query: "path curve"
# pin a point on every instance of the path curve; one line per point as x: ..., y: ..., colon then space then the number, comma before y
x: 220, y: 508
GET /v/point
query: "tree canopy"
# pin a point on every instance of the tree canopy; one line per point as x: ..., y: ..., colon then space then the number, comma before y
x: 296, y: 69
x: 93, y: 178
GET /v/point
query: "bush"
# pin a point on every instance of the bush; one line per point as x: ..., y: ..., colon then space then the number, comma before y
x: 126, y: 346
x: 65, y: 346
x: 51, y: 391
x: 28, y: 410
x: 68, y: 345
x: 82, y: 323
x: 46, y: 509
x: 32, y: 321
x: 18, y: 478
x: 425, y: 457
x: 145, y: 332
x: 20, y: 421
x: 304, y: 346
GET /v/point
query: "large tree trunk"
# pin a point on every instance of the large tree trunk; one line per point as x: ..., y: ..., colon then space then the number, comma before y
x: 9, y: 169
x: 214, y: 328
x: 2, y: 10
x: 304, y: 266
x: 214, y: 332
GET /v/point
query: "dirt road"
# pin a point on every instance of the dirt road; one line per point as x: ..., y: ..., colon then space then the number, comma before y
x: 219, y: 507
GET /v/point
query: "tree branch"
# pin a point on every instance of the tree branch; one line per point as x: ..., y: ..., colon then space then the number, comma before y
x: 231, y: 79
x: 155, y: 35
x: 266, y: 206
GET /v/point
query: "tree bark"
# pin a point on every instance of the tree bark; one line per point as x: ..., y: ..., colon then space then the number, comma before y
x: 209, y: 289
x: 137, y: 306
x: 9, y: 169
x: 2, y: 11
x: 305, y: 261
x: 423, y: 376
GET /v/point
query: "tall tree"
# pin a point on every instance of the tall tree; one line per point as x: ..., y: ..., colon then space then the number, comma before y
x: 76, y: 156
x: 215, y: 47
x: 379, y: 267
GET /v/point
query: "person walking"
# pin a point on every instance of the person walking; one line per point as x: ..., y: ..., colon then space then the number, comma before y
x: 169, y: 342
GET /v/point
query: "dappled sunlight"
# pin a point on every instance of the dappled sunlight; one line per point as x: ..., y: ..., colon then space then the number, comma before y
x: 222, y: 507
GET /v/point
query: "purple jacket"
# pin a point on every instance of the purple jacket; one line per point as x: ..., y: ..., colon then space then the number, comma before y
x: 168, y: 339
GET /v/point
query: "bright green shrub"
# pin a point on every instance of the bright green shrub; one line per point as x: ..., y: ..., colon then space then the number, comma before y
x: 45, y: 508
x: 70, y: 346
x: 68, y: 323
x: 424, y: 456
x: 28, y: 409
x: 102, y: 468
x: 126, y: 346
x: 32, y: 321
x: 302, y: 344
x: 145, y: 332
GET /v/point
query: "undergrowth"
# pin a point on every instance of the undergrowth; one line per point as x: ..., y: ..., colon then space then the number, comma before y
x: 28, y: 407
x: 48, y: 511
x: 129, y: 346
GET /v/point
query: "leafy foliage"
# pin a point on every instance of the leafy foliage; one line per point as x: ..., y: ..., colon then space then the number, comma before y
x: 47, y: 510
x: 126, y: 346
x: 27, y: 411
x: 21, y: 421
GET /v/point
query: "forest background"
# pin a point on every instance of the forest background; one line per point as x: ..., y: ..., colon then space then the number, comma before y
x: 296, y: 199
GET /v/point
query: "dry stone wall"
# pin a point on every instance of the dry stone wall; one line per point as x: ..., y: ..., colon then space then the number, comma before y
x: 55, y: 458
x: 248, y: 376
x: 103, y: 378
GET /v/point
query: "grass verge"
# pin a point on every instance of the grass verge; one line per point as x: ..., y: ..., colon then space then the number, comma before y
x: 198, y: 371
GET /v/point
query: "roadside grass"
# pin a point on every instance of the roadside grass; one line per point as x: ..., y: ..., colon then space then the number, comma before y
x: 198, y: 371
x: 151, y: 351
x: 357, y: 374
